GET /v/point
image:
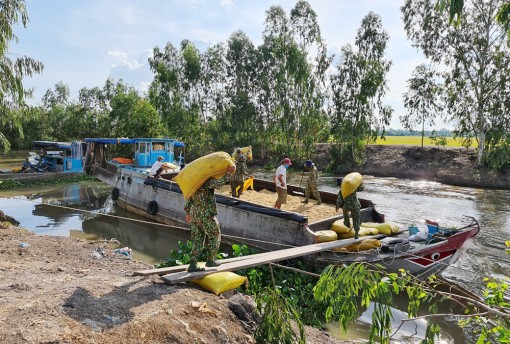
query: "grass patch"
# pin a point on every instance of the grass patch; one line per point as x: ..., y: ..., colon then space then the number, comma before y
x: 14, y: 184
x: 416, y: 141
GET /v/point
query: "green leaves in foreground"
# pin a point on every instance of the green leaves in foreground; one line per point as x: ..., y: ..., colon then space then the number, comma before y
x: 278, y: 315
x: 347, y: 289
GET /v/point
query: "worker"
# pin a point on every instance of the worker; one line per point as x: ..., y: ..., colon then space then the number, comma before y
x: 237, y: 179
x: 159, y: 167
x: 311, y: 186
x: 201, y: 214
x: 280, y: 178
x: 350, y: 205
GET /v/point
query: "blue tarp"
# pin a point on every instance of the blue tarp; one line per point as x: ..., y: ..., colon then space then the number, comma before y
x: 110, y: 141
x: 52, y: 145
x: 113, y: 141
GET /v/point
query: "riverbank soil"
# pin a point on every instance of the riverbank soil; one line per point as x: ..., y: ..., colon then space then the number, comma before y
x: 447, y: 165
x: 66, y: 290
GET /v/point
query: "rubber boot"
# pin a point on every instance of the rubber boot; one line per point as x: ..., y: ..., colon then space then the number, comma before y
x: 211, y: 262
x: 347, y: 223
x: 193, y: 267
x: 305, y: 201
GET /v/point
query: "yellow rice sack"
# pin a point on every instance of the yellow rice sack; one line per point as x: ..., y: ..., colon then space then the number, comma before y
x: 220, y: 282
x: 383, y: 228
x: 339, y: 227
x: 247, y: 184
x: 246, y: 151
x: 170, y: 165
x: 362, y: 232
x: 365, y: 245
x: 350, y: 183
x: 394, y: 228
x: 197, y: 172
x: 325, y: 236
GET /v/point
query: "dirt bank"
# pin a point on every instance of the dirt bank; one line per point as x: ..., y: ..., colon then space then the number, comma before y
x: 448, y: 165
x: 65, y: 290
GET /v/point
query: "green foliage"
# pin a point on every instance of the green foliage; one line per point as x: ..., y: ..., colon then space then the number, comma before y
x: 277, y: 315
x: 14, y: 184
x: 12, y: 91
x: 421, y: 99
x: 493, y: 328
x: 342, y: 157
x: 345, y: 289
x: 475, y: 93
x: 438, y: 139
x: 358, y: 87
x: 498, y: 158
x: 182, y: 255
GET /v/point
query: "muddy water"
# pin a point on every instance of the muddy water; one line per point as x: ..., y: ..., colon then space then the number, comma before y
x: 86, y: 210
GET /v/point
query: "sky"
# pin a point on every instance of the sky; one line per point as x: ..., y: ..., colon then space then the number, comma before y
x: 84, y: 42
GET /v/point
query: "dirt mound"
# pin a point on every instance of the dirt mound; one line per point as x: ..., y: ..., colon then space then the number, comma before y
x: 448, y: 165
x: 65, y: 290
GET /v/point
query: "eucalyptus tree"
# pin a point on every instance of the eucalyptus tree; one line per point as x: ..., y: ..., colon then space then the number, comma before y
x: 238, y: 122
x: 456, y: 7
x: 55, y: 102
x: 358, y: 87
x: 292, y: 66
x: 312, y: 89
x: 274, y: 80
x: 476, y: 63
x: 13, y: 70
x: 421, y: 99
x: 171, y: 94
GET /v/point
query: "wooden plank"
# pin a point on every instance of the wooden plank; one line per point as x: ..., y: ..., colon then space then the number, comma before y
x: 173, y: 269
x: 260, y: 259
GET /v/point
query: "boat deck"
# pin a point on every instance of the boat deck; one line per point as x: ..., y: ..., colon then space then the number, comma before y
x: 267, y: 198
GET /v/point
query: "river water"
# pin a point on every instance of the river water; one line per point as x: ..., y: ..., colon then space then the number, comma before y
x: 85, y: 210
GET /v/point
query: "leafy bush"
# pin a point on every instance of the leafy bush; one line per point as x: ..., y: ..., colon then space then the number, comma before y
x: 498, y: 158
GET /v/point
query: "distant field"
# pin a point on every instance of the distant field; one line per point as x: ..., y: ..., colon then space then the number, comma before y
x: 416, y: 141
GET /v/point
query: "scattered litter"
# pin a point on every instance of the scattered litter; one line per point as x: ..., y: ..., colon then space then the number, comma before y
x: 23, y: 245
x: 96, y: 326
x: 125, y: 251
x: 99, y: 253
x: 96, y: 255
x: 112, y: 319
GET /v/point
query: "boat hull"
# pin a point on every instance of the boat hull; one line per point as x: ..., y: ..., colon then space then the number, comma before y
x: 421, y: 259
x: 271, y: 229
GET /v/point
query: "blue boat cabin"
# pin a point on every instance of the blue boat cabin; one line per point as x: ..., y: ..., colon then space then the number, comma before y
x: 146, y: 150
x: 63, y: 157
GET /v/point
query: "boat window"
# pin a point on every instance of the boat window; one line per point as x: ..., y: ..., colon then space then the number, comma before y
x: 158, y: 146
x: 142, y: 147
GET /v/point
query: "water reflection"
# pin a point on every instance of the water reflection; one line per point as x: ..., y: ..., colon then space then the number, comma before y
x: 86, y: 210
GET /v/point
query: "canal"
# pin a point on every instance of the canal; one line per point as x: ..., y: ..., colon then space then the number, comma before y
x: 85, y: 210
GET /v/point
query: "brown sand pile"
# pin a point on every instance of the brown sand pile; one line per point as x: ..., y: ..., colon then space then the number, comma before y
x: 267, y: 198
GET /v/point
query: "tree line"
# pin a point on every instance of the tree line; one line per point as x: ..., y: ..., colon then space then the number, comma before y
x: 286, y: 94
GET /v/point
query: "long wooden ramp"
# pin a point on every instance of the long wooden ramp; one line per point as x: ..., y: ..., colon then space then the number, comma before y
x: 260, y: 259
x: 178, y: 268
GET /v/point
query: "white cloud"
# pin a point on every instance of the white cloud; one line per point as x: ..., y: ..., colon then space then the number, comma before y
x: 226, y: 3
x: 121, y: 58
